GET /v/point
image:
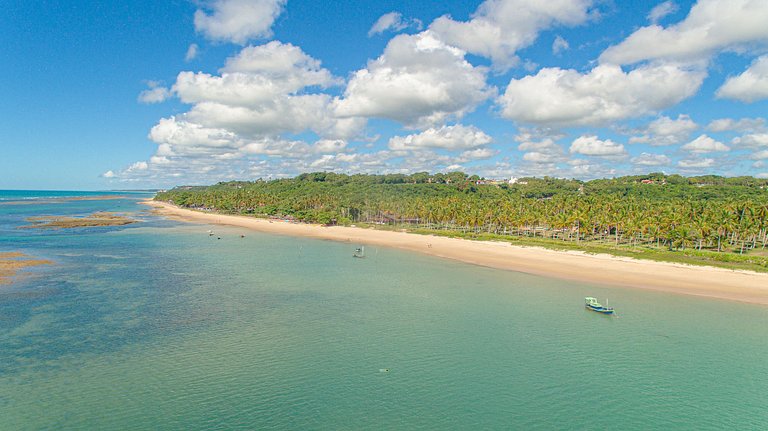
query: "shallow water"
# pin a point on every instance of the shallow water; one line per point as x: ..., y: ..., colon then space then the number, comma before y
x: 160, y: 326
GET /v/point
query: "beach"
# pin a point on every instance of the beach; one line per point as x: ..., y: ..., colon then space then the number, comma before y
x: 744, y: 286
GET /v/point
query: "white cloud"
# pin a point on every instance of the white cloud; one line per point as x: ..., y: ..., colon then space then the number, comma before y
x: 455, y: 137
x: 559, y: 45
x: 330, y: 146
x: 705, y: 144
x: 661, y: 10
x: 592, y: 146
x: 750, y: 86
x: 499, y: 28
x: 154, y: 94
x: 292, y: 114
x: 581, y: 168
x: 418, y: 81
x: 238, y: 21
x: 740, y: 125
x: 278, y: 147
x: 138, y: 166
x: 561, y: 97
x: 649, y: 159
x: 265, y: 90
x: 476, y: 154
x: 711, y: 26
x: 752, y: 140
x: 762, y: 175
x: 665, y: 131
x: 696, y: 163
x: 191, y: 52
x: 108, y: 174
x: 393, y: 21
x: 182, y: 137
x: 284, y: 63
x: 239, y: 120
x: 537, y: 145
x: 759, y: 155
x: 542, y: 157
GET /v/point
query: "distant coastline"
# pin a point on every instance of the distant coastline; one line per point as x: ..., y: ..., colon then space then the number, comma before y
x: 743, y: 286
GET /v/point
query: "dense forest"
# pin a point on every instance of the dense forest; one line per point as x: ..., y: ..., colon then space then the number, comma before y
x: 665, y: 212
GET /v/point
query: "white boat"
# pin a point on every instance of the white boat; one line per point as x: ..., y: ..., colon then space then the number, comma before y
x: 359, y: 252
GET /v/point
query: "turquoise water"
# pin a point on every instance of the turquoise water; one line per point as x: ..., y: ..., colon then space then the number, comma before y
x: 160, y: 326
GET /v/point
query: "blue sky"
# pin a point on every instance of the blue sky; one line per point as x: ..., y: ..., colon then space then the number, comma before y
x: 139, y: 94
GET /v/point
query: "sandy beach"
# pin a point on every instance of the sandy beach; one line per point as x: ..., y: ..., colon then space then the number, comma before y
x: 608, y: 270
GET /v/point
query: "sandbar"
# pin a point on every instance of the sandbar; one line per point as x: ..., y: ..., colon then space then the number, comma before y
x: 13, y: 261
x: 602, y: 269
x: 96, y: 219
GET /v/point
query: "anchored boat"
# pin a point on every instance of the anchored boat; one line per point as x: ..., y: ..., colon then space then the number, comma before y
x: 592, y: 304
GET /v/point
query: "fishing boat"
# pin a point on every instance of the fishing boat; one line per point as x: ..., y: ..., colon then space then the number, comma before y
x: 359, y: 252
x: 592, y: 304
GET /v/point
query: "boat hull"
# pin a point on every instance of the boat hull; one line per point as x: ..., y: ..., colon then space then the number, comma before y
x: 603, y: 310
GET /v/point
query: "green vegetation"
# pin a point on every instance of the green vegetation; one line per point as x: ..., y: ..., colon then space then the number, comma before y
x: 699, y: 220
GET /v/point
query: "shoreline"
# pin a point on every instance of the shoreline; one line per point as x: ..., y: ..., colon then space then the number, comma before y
x: 603, y: 269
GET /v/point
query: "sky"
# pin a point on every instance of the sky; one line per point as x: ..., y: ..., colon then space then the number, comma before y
x: 153, y: 94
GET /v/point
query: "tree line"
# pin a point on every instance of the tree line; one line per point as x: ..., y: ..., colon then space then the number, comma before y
x: 656, y: 210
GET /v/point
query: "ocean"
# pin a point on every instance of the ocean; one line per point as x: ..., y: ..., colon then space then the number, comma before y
x: 158, y: 325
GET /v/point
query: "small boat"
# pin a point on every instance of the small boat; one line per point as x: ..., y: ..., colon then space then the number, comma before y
x: 592, y: 304
x: 359, y: 252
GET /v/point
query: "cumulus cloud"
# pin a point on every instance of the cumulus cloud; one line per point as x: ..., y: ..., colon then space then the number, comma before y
x: 418, y: 81
x: 560, y: 97
x: 696, y: 163
x: 752, y: 140
x: 649, y: 159
x: 256, y: 75
x: 740, y: 125
x: 108, y: 174
x: 592, y: 146
x: 661, y: 10
x: 265, y: 90
x: 759, y: 155
x: 665, y: 131
x: 281, y: 62
x: 154, y: 94
x: 243, y: 120
x: 180, y: 137
x: 476, y: 154
x: 455, y: 137
x: 750, y: 86
x: 393, y: 21
x: 138, y: 166
x: 559, y: 45
x: 238, y: 21
x: 499, y: 28
x: 711, y: 26
x: 589, y: 169
x: 191, y: 52
x: 291, y: 114
x: 705, y: 144
x: 330, y: 146
x: 556, y: 155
